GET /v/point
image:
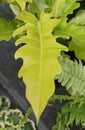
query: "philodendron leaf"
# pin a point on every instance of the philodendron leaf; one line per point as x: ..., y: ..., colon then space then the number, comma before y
x: 61, y: 8
x: 37, y: 6
x: 15, y: 9
x: 70, y: 30
x: 76, y: 34
x: 20, y: 3
x: 79, y: 19
x: 40, y: 64
x: 57, y: 7
x: 7, y: 28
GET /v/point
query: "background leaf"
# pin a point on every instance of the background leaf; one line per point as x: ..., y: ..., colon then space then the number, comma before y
x: 37, y: 6
x: 73, y: 36
x: 40, y: 64
x: 20, y: 3
x: 15, y: 9
x: 79, y: 18
x: 61, y: 8
x: 7, y: 28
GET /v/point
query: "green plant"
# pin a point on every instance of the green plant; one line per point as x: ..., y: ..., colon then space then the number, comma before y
x: 71, y: 113
x: 13, y: 119
x: 72, y: 77
x: 47, y: 31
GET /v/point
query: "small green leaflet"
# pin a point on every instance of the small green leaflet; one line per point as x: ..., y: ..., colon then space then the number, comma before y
x: 7, y: 28
x: 40, y: 64
x: 15, y: 9
x: 37, y: 6
x: 79, y: 19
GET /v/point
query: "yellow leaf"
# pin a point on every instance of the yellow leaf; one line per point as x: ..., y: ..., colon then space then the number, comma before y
x: 40, y: 64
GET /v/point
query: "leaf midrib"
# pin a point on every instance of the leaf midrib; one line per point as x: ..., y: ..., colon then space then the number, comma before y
x: 40, y: 65
x: 70, y: 5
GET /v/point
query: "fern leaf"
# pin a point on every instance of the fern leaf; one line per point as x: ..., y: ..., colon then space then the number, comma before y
x: 39, y: 52
x: 70, y: 113
x: 72, y: 76
x: 60, y: 98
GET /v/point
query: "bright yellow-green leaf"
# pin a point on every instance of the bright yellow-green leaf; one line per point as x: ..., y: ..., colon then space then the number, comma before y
x: 40, y: 64
x: 15, y: 9
x: 79, y: 18
x: 72, y: 29
x: 77, y: 35
x: 58, y: 7
x: 61, y: 8
x: 21, y: 3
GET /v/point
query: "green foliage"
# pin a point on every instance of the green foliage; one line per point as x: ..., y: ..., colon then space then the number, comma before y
x: 37, y: 6
x: 76, y: 34
x: 15, y: 9
x: 7, y: 28
x: 13, y: 119
x: 72, y: 112
x: 70, y: 30
x: 4, y: 103
x: 61, y: 98
x: 61, y: 8
x: 72, y: 76
x: 20, y: 3
x: 79, y: 18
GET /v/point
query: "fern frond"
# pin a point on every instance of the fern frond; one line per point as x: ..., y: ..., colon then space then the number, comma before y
x: 70, y: 113
x: 60, y: 98
x: 72, y: 76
